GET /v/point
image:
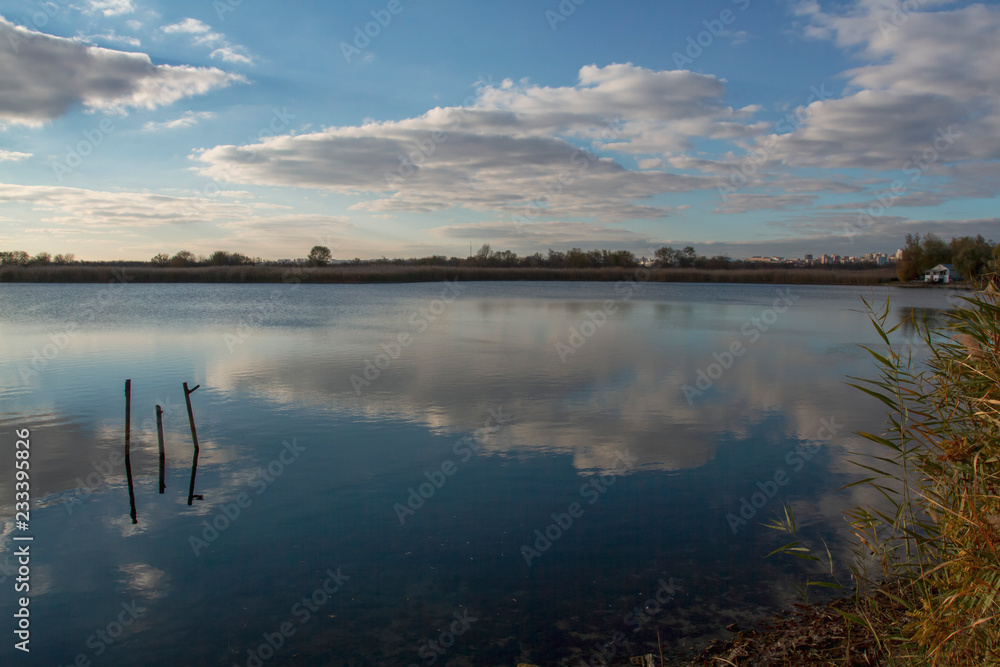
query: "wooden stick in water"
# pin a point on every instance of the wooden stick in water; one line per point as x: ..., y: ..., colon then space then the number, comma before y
x: 128, y: 448
x: 194, y: 438
x: 159, y: 436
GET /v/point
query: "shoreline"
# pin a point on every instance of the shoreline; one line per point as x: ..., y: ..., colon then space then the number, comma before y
x: 411, y: 274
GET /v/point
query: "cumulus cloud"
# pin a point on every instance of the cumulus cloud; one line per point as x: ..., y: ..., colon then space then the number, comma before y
x: 109, y: 36
x: 110, y: 7
x: 187, y: 26
x: 187, y: 119
x: 203, y: 35
x: 53, y: 74
x: 511, y: 148
x: 930, y: 85
x: 13, y: 156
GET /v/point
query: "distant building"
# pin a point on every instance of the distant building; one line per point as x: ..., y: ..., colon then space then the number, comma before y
x: 942, y: 273
x: 808, y: 258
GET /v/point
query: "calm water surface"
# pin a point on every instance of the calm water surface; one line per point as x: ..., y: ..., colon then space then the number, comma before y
x: 410, y: 479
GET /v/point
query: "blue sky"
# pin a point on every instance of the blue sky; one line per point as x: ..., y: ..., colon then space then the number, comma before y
x: 131, y: 127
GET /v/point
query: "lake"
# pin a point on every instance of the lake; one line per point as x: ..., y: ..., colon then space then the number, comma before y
x: 419, y: 474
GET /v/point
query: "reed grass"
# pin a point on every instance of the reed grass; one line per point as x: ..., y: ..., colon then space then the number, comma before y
x: 927, y: 562
x: 381, y: 273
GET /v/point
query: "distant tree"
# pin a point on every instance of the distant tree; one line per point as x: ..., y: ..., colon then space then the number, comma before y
x: 68, y: 258
x: 666, y: 256
x: 556, y: 259
x: 506, y: 258
x: 911, y: 263
x: 183, y: 258
x: 971, y: 256
x: 160, y: 259
x: 534, y: 260
x: 995, y: 262
x: 717, y: 262
x: 936, y: 252
x: 17, y: 257
x: 483, y: 255
x: 624, y: 258
x: 577, y: 259
x: 42, y: 258
x: 687, y: 256
x: 320, y: 255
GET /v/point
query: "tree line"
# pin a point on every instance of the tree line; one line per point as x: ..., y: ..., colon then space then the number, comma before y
x: 971, y: 256
x: 21, y: 258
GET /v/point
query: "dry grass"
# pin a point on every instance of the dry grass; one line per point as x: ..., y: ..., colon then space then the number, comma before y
x: 404, y: 274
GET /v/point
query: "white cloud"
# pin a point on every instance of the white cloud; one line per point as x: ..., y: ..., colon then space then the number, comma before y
x: 52, y: 74
x: 928, y: 71
x: 556, y: 234
x: 229, y: 54
x: 511, y: 148
x: 743, y: 202
x: 110, y: 7
x: 651, y: 163
x: 109, y: 36
x: 203, y: 35
x: 13, y: 156
x: 98, y: 209
x: 187, y: 119
x: 187, y: 26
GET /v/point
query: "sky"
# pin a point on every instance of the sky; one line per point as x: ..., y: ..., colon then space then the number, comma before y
x: 408, y: 128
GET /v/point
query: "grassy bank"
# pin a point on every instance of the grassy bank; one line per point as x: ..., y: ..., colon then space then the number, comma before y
x: 406, y: 274
x: 926, y: 570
